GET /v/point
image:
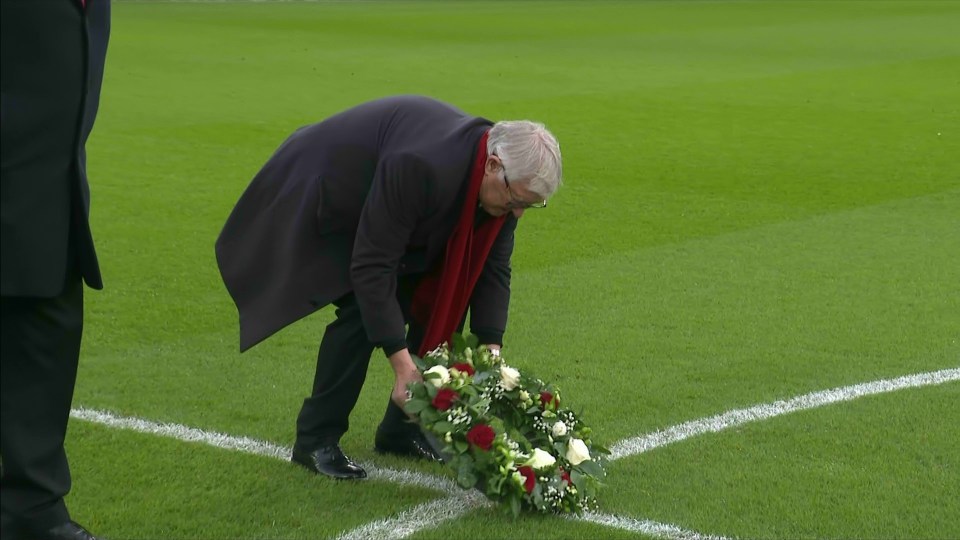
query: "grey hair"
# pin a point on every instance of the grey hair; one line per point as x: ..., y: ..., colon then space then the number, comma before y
x: 530, y: 153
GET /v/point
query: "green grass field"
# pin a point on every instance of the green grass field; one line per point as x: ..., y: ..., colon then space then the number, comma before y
x: 761, y: 200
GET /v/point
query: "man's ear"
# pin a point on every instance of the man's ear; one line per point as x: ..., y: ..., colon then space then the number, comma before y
x: 493, y: 164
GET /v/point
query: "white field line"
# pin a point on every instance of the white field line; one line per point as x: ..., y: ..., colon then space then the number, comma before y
x: 253, y: 446
x: 432, y: 514
x: 737, y: 417
x: 429, y: 515
x: 650, y: 528
x: 422, y: 516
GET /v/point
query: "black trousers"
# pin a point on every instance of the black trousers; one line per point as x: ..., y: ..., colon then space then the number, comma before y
x: 39, y: 352
x: 341, y: 370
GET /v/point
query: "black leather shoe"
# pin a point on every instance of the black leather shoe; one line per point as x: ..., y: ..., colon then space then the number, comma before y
x: 413, y: 444
x: 328, y: 460
x: 68, y: 530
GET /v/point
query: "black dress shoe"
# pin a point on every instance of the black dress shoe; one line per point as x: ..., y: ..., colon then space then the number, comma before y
x: 328, y: 460
x: 413, y: 444
x: 68, y: 530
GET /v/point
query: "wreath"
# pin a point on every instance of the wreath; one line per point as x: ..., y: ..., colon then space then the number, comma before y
x: 504, y: 432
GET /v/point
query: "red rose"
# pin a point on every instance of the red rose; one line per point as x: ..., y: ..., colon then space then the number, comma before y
x: 546, y: 398
x: 565, y: 476
x: 481, y: 436
x: 530, y: 478
x: 444, y: 398
x: 464, y: 367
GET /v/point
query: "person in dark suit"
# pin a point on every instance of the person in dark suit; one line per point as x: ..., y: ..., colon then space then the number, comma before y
x: 53, y: 55
x: 400, y: 212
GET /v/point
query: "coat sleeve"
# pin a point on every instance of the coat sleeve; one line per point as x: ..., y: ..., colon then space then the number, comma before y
x: 396, y: 203
x: 491, y: 295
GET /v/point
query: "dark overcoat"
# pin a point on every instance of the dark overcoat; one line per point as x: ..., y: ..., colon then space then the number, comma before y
x: 350, y: 204
x: 49, y: 93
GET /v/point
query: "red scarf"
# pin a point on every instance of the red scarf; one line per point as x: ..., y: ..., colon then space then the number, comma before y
x: 442, y: 295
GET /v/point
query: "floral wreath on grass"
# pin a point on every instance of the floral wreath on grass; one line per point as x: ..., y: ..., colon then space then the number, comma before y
x: 506, y: 433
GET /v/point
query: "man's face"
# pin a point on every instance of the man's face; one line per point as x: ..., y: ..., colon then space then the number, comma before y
x: 499, y: 194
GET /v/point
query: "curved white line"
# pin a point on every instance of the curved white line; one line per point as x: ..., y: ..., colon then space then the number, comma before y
x: 403, y: 525
x: 433, y: 513
x: 253, y: 446
x: 645, y: 526
x: 422, y: 516
x: 737, y: 417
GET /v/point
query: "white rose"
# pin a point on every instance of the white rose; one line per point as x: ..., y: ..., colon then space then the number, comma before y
x: 509, y: 377
x: 443, y: 376
x: 540, y: 459
x: 577, y: 452
x: 559, y: 429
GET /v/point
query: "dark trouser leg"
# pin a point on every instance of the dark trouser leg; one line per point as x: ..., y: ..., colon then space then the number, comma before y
x: 341, y: 369
x: 40, y: 342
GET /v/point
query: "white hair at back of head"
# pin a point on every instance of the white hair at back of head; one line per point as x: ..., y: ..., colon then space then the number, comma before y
x: 530, y: 155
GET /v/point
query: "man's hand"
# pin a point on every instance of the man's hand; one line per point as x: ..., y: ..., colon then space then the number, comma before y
x: 405, y: 372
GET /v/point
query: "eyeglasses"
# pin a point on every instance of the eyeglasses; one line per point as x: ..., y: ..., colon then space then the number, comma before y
x: 518, y: 203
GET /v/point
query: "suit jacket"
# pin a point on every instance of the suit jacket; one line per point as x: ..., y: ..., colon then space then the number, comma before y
x: 53, y: 55
x: 350, y: 204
